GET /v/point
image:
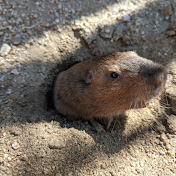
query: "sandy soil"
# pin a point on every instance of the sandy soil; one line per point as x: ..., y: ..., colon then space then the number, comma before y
x: 39, y: 39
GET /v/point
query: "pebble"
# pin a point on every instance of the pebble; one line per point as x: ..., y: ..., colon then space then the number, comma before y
x: 16, y: 40
x: 58, y: 174
x: 103, y: 166
x: 126, y: 18
x: 171, y: 123
x: 5, y: 49
x: 9, y: 91
x: 98, y: 127
x: 171, y: 152
x: 28, y: 169
x: 167, y: 18
x: 56, y: 145
x: 23, y: 15
x: 172, y: 27
x: 163, y: 137
x: 15, y: 145
x: 170, y: 90
x: 1, y: 141
x: 35, y: 16
x: 24, y: 157
x: 15, y: 72
x: 1, y: 160
x: 170, y: 33
x: 168, y: 10
x: 57, y: 20
x: 159, y: 127
x: 162, y: 152
x: 13, y: 52
x: 107, y: 32
x: 168, y: 147
x: 70, y: 174
x: 15, y: 132
x: 27, y: 45
x: 37, y: 3
x: 9, y: 159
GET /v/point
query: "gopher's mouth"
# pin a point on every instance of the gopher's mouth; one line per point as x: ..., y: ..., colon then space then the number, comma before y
x: 138, y: 104
x: 142, y: 103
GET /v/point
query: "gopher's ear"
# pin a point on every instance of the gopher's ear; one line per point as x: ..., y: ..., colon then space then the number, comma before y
x: 89, y: 76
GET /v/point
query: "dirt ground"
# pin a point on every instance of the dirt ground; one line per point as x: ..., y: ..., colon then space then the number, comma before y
x: 39, y: 39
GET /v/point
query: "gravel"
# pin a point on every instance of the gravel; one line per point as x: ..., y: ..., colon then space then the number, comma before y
x: 15, y: 145
x: 5, y: 49
x: 171, y: 123
x: 38, y: 39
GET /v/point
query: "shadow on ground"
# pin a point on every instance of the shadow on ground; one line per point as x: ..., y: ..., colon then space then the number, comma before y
x: 29, y: 103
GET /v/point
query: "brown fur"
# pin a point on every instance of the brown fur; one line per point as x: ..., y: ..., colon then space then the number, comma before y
x: 87, y: 90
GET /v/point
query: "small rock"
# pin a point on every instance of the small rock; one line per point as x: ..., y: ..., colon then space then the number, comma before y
x: 5, y: 49
x: 1, y: 141
x: 39, y: 30
x: 35, y: 16
x: 161, y: 152
x: 1, y: 160
x: 23, y: 15
x: 172, y: 27
x: 9, y: 159
x: 107, y: 32
x: 170, y: 33
x: 126, y: 17
x: 1, y: 33
x: 28, y: 170
x: 15, y: 145
x: 15, y: 132
x: 98, y: 127
x: 13, y: 52
x: 37, y: 3
x: 103, y: 166
x: 57, y: 20
x: 167, y: 18
x: 171, y: 123
x: 5, y: 70
x: 70, y: 174
x: 56, y: 145
x: 171, y: 87
x: 57, y: 174
x: 59, y: 30
x: 27, y: 45
x: 171, y: 152
x: 112, y: 173
x: 118, y: 33
x: 24, y: 157
x: 163, y: 137
x: 168, y: 10
x: 9, y: 91
x: 15, y: 72
x: 17, y: 39
x: 167, y: 146
x: 159, y: 127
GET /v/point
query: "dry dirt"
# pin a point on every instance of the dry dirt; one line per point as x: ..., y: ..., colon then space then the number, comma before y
x: 38, y: 39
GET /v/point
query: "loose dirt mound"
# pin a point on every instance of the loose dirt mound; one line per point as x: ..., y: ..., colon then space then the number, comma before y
x: 38, y: 39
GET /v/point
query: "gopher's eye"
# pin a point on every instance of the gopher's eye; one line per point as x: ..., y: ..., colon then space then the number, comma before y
x: 114, y: 75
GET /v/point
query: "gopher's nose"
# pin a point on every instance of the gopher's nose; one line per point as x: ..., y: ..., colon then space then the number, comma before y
x: 155, y: 75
